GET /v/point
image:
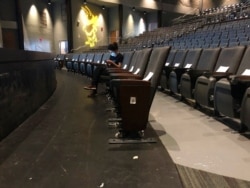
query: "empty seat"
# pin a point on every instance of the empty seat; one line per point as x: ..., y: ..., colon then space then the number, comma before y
x: 59, y: 61
x: 165, y: 73
x: 89, y: 59
x: 228, y: 92
x: 90, y: 66
x: 206, y: 63
x: 176, y: 62
x: 190, y: 62
x: 135, y: 96
x: 75, y: 61
x: 82, y: 60
x: 227, y: 63
x: 245, y: 111
x: 68, y: 62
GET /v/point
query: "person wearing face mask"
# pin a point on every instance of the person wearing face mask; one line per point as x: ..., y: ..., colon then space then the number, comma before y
x: 115, y: 60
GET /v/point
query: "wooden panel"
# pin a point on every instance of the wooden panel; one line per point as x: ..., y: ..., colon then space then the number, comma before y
x: 10, y: 38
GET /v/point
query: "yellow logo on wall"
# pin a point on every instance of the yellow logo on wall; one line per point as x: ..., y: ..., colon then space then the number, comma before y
x: 90, y: 22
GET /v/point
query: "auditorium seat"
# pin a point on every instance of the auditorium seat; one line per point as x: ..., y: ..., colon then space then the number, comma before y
x: 89, y: 59
x: 68, y: 62
x: 176, y: 62
x: 90, y: 65
x: 82, y: 60
x: 59, y: 61
x: 135, y: 96
x: 164, y: 75
x: 138, y: 68
x: 136, y: 71
x: 190, y: 62
x: 227, y: 64
x: 127, y: 61
x: 229, y: 92
x: 245, y: 111
x: 75, y: 61
x: 206, y: 63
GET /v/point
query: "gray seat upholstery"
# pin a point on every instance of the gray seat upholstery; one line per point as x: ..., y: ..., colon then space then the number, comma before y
x: 206, y: 62
x: 135, y: 96
x: 228, y: 93
x: 245, y: 110
x: 177, y: 62
x: 165, y: 73
x: 89, y: 59
x: 82, y: 60
x: 190, y: 62
x: 59, y: 61
x: 68, y: 62
x: 227, y: 63
x: 75, y: 61
x: 90, y: 67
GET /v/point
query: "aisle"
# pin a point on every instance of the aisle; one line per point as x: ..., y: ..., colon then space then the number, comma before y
x: 65, y: 144
x: 194, y: 139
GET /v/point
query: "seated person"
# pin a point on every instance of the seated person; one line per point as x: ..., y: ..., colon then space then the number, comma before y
x: 114, y: 61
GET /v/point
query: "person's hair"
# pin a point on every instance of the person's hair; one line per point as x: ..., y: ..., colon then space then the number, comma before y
x: 113, y: 46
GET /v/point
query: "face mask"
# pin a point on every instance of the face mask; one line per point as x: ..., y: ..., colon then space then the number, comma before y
x: 113, y: 54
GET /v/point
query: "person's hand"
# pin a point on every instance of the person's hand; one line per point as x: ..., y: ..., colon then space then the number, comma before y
x: 109, y: 62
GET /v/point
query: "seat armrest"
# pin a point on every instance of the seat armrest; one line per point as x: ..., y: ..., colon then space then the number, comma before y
x: 116, y: 70
x: 239, y: 85
x: 97, y: 64
x: 239, y: 78
x: 179, y: 71
x: 195, y: 73
x: 125, y: 76
x: 130, y: 82
x: 217, y: 75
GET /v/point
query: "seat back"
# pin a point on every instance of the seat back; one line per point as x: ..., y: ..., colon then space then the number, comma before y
x: 170, y: 58
x: 166, y: 70
x: 244, y: 65
x: 68, y: 61
x: 127, y: 57
x: 154, y: 67
x: 89, y: 67
x: 142, y: 61
x: 75, y: 61
x: 179, y: 58
x: 190, y: 62
x: 245, y: 109
x: 82, y: 60
x: 230, y: 57
x: 192, y: 58
x: 133, y: 62
x: 89, y: 59
x: 208, y: 59
x: 105, y: 57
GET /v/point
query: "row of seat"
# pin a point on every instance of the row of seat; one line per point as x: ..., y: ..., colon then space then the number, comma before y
x: 214, y: 78
x: 132, y: 88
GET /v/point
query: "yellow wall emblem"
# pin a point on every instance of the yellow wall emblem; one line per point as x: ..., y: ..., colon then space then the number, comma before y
x: 90, y: 22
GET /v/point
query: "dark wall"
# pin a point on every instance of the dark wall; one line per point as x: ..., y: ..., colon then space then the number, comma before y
x: 27, y: 80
